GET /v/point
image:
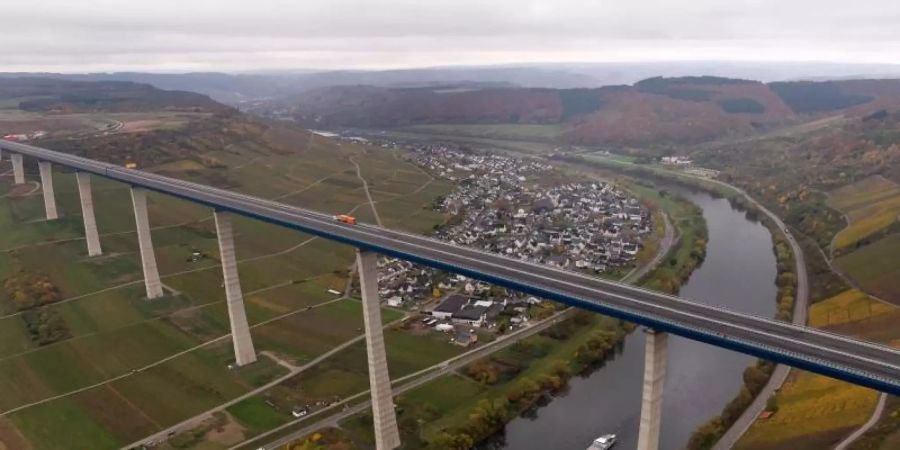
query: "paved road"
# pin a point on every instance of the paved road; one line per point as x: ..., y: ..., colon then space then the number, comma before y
x: 867, y: 364
x: 664, y: 246
x: 446, y: 367
x: 801, y: 304
x: 879, y: 410
x: 403, y: 384
x: 292, y: 371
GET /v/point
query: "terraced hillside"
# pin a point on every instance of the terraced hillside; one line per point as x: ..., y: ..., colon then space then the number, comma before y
x: 871, y: 207
x: 86, y: 362
x: 814, y: 412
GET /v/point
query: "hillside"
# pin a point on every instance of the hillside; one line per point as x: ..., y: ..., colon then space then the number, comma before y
x: 232, y: 89
x: 680, y: 110
x: 677, y: 110
x: 656, y: 111
x: 367, y: 106
x: 857, y: 96
x: 802, y: 175
x: 87, y: 362
x: 62, y: 96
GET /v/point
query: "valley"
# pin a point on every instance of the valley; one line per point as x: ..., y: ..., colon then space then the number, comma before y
x: 83, y: 341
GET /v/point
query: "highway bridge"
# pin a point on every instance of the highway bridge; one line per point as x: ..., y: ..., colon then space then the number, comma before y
x: 833, y: 355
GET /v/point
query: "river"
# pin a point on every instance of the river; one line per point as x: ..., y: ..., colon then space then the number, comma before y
x: 739, y: 273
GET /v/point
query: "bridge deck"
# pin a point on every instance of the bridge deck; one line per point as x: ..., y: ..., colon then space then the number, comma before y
x: 859, y: 362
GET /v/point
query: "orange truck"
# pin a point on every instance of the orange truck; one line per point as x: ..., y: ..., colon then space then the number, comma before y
x: 349, y: 220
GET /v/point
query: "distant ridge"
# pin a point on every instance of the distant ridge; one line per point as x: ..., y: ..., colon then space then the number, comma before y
x: 652, y: 111
x: 56, y: 95
x: 239, y: 88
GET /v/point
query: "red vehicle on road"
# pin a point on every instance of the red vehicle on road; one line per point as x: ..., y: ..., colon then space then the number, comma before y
x: 349, y: 220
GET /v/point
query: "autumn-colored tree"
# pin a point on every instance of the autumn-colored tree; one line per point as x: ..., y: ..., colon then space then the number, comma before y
x: 483, y: 371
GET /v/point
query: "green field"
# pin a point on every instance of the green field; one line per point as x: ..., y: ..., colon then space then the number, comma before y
x: 690, y: 247
x: 125, y: 367
x: 345, y: 374
x: 525, y: 145
x: 448, y: 402
x: 876, y: 268
x: 515, y: 132
x: 610, y: 159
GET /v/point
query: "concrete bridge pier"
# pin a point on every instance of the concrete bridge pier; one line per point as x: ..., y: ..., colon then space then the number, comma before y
x: 654, y: 376
x: 87, y: 212
x: 237, y: 315
x: 145, y: 242
x: 46, y: 170
x: 387, y: 435
x: 18, y: 168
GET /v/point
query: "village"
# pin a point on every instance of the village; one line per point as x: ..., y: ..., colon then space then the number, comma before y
x: 515, y: 207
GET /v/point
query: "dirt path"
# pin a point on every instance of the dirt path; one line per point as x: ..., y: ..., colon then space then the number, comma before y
x: 153, y: 319
x: 407, y: 382
x: 366, y: 189
x: 199, y: 418
x: 170, y: 275
x: 35, y: 186
x: 81, y: 238
x: 162, y: 361
x: 445, y: 367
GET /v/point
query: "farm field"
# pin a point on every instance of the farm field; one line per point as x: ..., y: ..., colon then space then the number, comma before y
x: 448, y: 402
x: 815, y: 412
x: 109, y: 368
x: 342, y: 375
x: 610, y: 159
x: 16, y: 121
x: 522, y: 132
x: 523, y: 146
x: 876, y: 268
x: 870, y: 205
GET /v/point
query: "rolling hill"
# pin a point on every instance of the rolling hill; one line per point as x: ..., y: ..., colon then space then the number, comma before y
x: 653, y: 111
x: 36, y: 94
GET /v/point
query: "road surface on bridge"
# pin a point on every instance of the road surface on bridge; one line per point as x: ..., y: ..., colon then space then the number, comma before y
x: 833, y: 355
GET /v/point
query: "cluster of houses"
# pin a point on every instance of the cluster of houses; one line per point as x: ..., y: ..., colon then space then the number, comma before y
x: 685, y: 164
x: 511, y: 206
x: 455, y: 164
x: 676, y: 161
x: 585, y: 226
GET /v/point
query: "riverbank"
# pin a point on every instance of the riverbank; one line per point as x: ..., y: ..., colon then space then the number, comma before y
x: 784, y: 297
x: 738, y: 273
x: 461, y: 409
x: 513, y: 383
x: 723, y: 432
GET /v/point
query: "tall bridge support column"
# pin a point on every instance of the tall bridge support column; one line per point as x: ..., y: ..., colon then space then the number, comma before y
x: 87, y: 212
x: 387, y: 435
x: 46, y: 170
x: 654, y: 376
x: 18, y: 168
x: 145, y: 242
x: 237, y: 315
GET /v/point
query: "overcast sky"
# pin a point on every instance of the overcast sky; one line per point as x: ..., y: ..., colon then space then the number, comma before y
x: 242, y: 35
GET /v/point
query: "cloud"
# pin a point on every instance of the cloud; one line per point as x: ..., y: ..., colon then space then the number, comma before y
x: 162, y: 35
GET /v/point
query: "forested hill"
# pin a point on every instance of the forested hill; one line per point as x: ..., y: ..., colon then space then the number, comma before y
x: 656, y: 110
x: 55, y: 95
